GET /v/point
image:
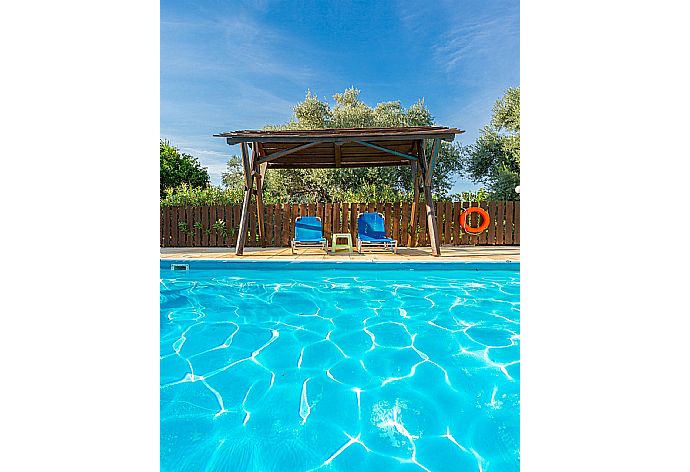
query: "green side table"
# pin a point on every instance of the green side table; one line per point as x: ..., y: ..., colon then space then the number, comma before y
x: 348, y: 245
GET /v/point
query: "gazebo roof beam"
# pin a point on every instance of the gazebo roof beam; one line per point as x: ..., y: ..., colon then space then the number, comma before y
x: 384, y: 149
x: 276, y: 155
x: 232, y: 140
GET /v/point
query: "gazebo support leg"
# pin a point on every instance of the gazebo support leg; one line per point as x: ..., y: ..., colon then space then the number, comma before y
x: 431, y: 222
x: 242, y: 230
x: 260, y: 212
x: 430, y: 213
x: 259, y: 194
x: 412, y: 239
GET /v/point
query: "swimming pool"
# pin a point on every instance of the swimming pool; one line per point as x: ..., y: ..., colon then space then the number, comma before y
x: 295, y: 366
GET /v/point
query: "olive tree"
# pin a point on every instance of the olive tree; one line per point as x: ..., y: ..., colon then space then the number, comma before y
x: 348, y: 111
x: 494, y: 159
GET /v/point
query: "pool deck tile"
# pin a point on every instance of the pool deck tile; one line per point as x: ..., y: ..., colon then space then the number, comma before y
x: 448, y: 253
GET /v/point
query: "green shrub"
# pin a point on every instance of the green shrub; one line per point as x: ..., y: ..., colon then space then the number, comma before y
x: 187, y: 195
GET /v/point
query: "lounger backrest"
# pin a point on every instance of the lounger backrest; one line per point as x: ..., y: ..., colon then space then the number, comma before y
x: 308, y: 228
x: 372, y: 225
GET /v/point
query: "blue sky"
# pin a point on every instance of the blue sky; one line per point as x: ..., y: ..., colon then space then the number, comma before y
x: 228, y: 65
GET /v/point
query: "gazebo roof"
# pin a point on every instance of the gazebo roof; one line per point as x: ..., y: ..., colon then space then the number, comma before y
x: 338, y: 147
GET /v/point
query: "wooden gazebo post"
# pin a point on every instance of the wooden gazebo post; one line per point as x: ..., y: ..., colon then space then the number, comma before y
x: 412, y: 239
x: 259, y: 174
x: 253, y: 172
x: 426, y: 184
x: 248, y: 185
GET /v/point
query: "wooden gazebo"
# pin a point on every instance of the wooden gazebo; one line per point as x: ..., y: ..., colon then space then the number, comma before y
x: 338, y: 148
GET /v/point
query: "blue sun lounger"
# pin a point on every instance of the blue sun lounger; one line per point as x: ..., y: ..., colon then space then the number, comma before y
x: 371, y: 232
x: 309, y: 234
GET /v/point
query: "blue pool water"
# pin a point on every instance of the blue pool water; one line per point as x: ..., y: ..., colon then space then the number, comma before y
x: 340, y: 366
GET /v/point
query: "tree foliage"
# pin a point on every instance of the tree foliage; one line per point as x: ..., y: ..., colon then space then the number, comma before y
x: 494, y: 159
x: 180, y: 168
x: 365, y: 184
x: 193, y: 196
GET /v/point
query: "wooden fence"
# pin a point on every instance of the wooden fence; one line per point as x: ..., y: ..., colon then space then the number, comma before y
x: 216, y: 226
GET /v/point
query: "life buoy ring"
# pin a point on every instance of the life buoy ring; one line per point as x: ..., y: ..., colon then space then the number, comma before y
x: 466, y: 227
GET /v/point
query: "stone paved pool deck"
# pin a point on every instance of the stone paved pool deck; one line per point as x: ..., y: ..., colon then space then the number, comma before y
x: 448, y: 254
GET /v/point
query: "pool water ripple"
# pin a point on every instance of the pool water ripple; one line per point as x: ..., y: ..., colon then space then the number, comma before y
x: 340, y: 368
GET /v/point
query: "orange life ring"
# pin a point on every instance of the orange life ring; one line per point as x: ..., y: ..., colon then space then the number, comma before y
x: 466, y: 227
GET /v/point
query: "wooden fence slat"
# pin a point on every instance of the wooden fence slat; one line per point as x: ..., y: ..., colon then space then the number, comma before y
x: 456, y: 223
x: 481, y: 237
x: 412, y: 225
x: 500, y: 224
x: 275, y: 227
x: 227, y: 217
x: 422, y: 222
x: 204, y: 225
x: 286, y: 229
x: 404, y: 231
x: 275, y: 224
x: 251, y: 227
x: 236, y: 215
x: 491, y: 233
x: 470, y: 222
x: 327, y: 221
x: 189, y: 227
x: 181, y: 216
x: 268, y: 225
x: 387, y: 208
x: 196, y: 218
x: 311, y: 209
x: 189, y: 222
x: 165, y: 227
x: 212, y: 218
x: 229, y: 228
x: 439, y: 224
x: 176, y: 237
x: 508, y: 236
x: 173, y: 227
x: 395, y: 215
x: 211, y: 230
x: 275, y: 230
x: 335, y: 221
x: 161, y: 226
x: 447, y: 224
x: 181, y: 220
x: 464, y: 238
x: 448, y: 230
x: 516, y: 222
x: 220, y: 215
x: 196, y: 233
x: 344, y: 226
x: 191, y: 219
